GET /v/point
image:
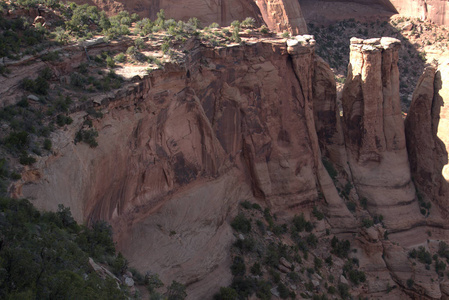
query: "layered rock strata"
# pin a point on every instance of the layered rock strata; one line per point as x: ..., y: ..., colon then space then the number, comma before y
x: 427, y: 153
x: 374, y: 132
x: 180, y: 148
x: 436, y: 11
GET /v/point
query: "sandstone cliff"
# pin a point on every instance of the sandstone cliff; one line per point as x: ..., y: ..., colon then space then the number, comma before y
x: 180, y: 148
x: 374, y: 131
x: 436, y: 11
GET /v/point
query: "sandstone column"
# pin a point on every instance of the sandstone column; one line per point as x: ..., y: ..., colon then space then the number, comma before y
x: 308, y: 69
x: 427, y: 153
x: 374, y: 132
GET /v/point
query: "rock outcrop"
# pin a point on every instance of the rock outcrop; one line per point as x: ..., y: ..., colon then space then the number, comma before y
x: 427, y: 153
x: 279, y: 15
x: 374, y: 132
x: 179, y: 149
x: 436, y: 11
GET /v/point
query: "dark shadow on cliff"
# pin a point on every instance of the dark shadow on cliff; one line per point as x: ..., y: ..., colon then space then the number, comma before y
x: 333, y: 47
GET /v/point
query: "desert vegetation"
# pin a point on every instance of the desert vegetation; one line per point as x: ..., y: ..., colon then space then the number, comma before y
x: 274, y: 257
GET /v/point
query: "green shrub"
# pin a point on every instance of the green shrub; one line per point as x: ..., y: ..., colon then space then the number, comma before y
x: 343, y: 289
x: 245, y: 245
x: 330, y: 168
x: 120, y: 58
x: 87, y: 136
x: 238, y: 267
x: 62, y: 120
x: 47, y: 144
x: 26, y: 160
x: 248, y: 22
x: 284, y: 292
x: 176, y: 291
x: 318, y: 214
x: 110, y: 63
x: 367, y: 223
x: 246, y: 204
x: 226, y: 293
x: 351, y: 206
x: 340, y: 248
x: 241, y: 224
x: 119, y: 265
x: 256, y: 269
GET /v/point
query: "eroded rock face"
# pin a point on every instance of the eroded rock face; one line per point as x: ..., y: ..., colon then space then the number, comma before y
x: 279, y: 15
x: 374, y: 131
x: 427, y: 153
x: 436, y: 11
x: 282, y: 15
x: 178, y: 150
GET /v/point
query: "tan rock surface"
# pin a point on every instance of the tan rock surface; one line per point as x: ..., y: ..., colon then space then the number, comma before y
x: 180, y: 148
x: 427, y: 153
x: 374, y: 132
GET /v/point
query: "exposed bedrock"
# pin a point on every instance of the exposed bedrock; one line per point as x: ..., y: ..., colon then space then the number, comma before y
x: 436, y: 11
x: 374, y: 132
x: 427, y: 153
x: 179, y: 149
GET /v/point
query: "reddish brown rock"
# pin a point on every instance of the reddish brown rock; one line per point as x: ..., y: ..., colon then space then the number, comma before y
x: 374, y: 132
x: 436, y: 11
x: 178, y: 150
x: 427, y: 153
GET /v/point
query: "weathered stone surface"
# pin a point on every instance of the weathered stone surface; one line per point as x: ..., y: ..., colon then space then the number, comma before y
x: 179, y: 149
x: 436, y: 11
x: 374, y: 132
x: 282, y: 15
x: 427, y: 153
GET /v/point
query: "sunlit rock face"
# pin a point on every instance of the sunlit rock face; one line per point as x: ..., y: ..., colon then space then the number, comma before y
x: 374, y: 131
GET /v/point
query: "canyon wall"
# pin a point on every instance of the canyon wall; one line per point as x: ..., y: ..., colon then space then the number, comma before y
x: 180, y: 148
x: 279, y: 15
x: 436, y: 11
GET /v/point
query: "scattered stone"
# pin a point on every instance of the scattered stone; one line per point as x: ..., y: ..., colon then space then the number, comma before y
x: 33, y: 98
x: 274, y: 291
x: 283, y: 269
x: 129, y: 281
x: 285, y: 263
x: 39, y: 19
x: 343, y: 279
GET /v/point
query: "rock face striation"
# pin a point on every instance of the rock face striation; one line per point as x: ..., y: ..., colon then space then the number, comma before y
x: 180, y: 147
x: 427, y: 153
x: 374, y: 131
x: 436, y: 11
x: 279, y: 15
